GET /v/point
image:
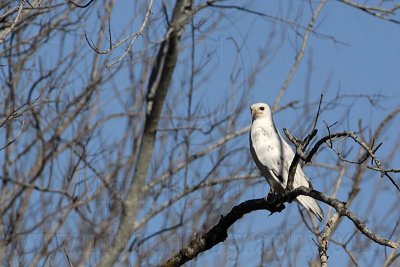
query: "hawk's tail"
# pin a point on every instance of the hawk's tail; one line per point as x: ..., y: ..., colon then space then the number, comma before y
x: 310, y: 204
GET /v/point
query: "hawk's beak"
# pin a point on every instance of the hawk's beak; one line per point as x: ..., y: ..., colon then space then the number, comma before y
x: 252, y: 112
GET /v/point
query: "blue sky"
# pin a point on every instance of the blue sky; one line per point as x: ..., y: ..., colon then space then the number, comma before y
x: 352, y: 53
x: 363, y: 59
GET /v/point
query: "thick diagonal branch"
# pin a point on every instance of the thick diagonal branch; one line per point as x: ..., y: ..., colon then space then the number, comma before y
x: 158, y: 86
x: 219, y: 232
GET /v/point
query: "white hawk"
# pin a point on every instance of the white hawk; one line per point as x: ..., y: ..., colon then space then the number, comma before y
x: 273, y: 157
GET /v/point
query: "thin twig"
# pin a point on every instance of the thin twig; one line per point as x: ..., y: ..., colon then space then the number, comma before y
x: 300, y: 53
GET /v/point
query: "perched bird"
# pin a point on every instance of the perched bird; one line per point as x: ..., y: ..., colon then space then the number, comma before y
x: 273, y: 157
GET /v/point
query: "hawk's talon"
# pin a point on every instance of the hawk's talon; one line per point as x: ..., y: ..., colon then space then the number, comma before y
x: 273, y: 199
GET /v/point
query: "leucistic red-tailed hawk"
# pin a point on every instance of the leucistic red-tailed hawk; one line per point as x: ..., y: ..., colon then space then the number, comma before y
x: 273, y: 157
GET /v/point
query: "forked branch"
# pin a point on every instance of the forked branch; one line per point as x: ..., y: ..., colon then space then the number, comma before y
x: 219, y: 232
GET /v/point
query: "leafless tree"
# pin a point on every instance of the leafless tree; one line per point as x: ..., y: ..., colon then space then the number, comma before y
x: 117, y: 148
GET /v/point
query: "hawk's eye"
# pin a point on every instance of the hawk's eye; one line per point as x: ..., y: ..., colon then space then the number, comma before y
x: 262, y: 108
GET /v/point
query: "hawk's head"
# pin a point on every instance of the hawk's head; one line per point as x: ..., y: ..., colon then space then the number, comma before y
x: 260, y: 110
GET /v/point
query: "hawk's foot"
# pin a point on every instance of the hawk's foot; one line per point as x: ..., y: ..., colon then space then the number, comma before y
x: 276, y: 205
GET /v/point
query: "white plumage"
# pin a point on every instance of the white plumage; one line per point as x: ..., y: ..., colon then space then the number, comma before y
x: 273, y: 157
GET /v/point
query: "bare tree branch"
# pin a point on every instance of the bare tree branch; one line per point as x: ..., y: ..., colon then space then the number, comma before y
x: 109, y: 165
x: 158, y: 86
x: 219, y: 232
x: 81, y: 6
x: 300, y: 148
x: 300, y: 53
x: 10, y: 28
x: 375, y: 11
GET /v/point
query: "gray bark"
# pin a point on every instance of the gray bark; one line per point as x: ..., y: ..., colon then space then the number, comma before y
x: 158, y: 86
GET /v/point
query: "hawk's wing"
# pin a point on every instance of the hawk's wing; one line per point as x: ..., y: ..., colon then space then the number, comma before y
x: 273, y: 157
